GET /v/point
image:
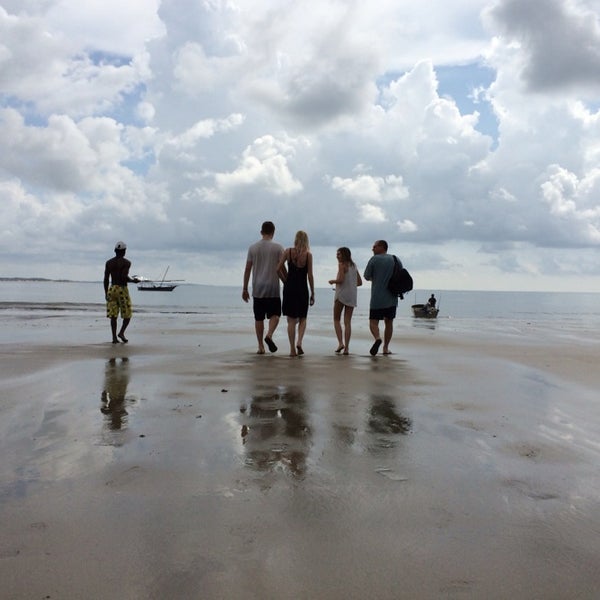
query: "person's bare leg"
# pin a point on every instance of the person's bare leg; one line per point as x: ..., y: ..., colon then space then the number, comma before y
x: 374, y: 327
x: 301, y: 330
x: 337, y: 326
x: 291, y: 329
x: 273, y: 322
x: 121, y: 333
x: 259, y: 327
x: 347, y: 327
x: 387, y: 334
x: 113, y: 328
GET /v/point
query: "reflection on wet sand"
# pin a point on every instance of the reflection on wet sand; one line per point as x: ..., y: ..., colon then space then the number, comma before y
x: 275, y: 430
x: 385, y: 422
x: 424, y: 324
x: 372, y: 423
x: 113, y: 399
x: 384, y: 418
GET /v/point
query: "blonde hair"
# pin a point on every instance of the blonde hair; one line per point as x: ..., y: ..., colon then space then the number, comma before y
x: 301, y: 241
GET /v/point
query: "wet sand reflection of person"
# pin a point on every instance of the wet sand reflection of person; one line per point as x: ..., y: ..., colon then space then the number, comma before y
x: 385, y: 421
x: 113, y: 398
x: 275, y: 431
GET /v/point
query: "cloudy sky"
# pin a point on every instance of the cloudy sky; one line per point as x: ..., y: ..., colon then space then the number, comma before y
x: 466, y: 133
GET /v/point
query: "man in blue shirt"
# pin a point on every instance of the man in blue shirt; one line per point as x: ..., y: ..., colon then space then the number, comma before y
x: 383, y: 303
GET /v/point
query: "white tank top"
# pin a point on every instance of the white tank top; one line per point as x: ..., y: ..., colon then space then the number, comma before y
x: 345, y: 292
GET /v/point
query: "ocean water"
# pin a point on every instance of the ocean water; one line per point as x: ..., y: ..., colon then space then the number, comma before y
x: 562, y: 314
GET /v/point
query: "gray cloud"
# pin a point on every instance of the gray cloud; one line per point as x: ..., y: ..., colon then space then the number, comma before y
x: 560, y: 39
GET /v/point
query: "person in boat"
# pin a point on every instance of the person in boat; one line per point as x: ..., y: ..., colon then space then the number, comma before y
x: 346, y: 283
x: 431, y: 303
x: 383, y: 303
x: 295, y: 276
x: 118, y: 301
x: 261, y: 262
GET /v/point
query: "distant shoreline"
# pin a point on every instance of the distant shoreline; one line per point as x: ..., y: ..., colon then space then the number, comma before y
x: 43, y: 279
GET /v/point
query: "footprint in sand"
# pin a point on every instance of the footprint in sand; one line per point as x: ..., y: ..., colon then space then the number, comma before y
x: 125, y: 477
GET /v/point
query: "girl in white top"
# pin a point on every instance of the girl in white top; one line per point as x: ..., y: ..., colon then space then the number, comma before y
x: 346, y: 283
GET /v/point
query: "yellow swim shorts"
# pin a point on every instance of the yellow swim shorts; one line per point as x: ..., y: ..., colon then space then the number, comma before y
x: 118, y: 301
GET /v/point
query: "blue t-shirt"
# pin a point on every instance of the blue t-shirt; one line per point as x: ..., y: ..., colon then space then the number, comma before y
x: 378, y: 271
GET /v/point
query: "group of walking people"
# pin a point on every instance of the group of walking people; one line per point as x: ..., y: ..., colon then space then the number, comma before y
x: 269, y: 263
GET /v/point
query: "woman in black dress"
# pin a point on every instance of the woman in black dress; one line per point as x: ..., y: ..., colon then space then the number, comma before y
x: 295, y: 277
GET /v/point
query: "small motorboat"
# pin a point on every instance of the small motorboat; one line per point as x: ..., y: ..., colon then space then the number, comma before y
x: 425, y: 311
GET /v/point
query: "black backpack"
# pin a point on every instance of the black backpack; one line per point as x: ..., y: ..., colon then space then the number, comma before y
x: 400, y: 282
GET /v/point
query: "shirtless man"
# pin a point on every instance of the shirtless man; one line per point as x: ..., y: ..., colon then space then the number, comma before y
x: 116, y: 271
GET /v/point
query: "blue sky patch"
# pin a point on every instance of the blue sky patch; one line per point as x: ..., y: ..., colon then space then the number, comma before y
x: 107, y: 58
x: 466, y: 85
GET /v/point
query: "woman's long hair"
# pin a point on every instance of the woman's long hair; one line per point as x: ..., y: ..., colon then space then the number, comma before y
x: 346, y: 255
x: 301, y: 241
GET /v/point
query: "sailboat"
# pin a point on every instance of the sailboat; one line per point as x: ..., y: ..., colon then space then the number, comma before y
x: 164, y: 285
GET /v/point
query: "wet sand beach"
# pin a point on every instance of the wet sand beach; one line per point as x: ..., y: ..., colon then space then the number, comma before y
x: 183, y: 465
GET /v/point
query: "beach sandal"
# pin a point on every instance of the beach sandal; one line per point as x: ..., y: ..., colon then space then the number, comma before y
x: 269, y: 342
x: 339, y: 349
x: 375, y: 347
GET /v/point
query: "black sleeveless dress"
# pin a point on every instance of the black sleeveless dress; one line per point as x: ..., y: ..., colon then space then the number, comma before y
x: 295, y: 291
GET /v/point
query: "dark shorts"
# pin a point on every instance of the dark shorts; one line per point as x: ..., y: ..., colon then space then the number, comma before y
x: 266, y: 308
x: 376, y: 314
